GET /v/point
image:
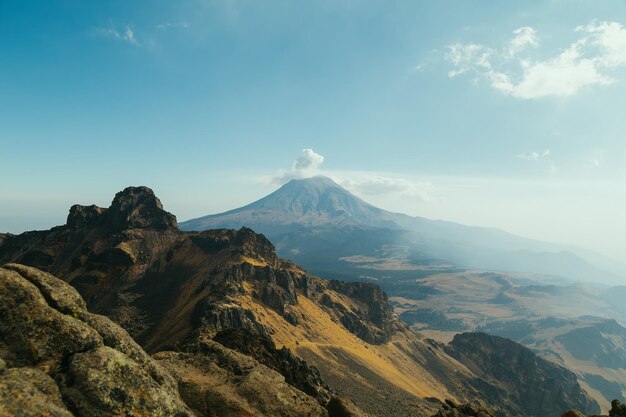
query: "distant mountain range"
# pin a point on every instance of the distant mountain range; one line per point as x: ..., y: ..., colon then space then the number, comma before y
x: 322, y: 226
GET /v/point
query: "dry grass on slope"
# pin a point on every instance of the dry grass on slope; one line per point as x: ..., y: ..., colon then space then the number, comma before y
x: 325, y: 343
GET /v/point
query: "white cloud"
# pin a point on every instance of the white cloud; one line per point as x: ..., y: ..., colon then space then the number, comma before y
x: 610, y: 39
x: 534, y: 156
x: 524, y: 37
x: 308, y: 161
x: 541, y: 158
x: 531, y: 156
x: 589, y: 61
x: 365, y: 184
x: 561, y: 76
x: 304, y: 166
x: 464, y: 57
x: 377, y: 185
x: 127, y: 34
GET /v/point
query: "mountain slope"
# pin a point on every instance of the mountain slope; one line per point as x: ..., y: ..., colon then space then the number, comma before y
x: 58, y: 359
x: 309, y: 219
x: 311, y: 202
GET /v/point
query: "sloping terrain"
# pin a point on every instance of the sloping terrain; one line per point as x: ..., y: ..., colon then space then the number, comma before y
x: 181, y: 292
x: 58, y: 359
x: 559, y: 321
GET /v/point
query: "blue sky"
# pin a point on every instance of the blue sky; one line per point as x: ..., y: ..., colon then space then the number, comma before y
x: 506, y: 114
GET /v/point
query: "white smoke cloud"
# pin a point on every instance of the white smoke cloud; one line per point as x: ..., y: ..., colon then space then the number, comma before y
x: 304, y: 166
x: 308, y: 161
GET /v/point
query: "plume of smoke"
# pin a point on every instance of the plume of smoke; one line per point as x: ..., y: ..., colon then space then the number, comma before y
x: 305, y: 166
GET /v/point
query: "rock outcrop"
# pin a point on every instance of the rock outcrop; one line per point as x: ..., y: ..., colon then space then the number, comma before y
x: 374, y: 308
x: 524, y: 383
x: 451, y: 409
x: 215, y: 380
x: 58, y: 358
x: 132, y: 208
x: 296, y: 371
x: 617, y: 410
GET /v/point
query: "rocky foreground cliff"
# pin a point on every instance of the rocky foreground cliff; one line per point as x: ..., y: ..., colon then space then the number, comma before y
x: 239, y: 330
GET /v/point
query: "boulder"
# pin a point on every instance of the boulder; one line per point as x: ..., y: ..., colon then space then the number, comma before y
x: 55, y: 356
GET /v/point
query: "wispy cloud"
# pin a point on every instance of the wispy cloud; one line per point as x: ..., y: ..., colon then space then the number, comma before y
x: 170, y: 25
x: 589, y: 61
x: 524, y: 37
x: 126, y: 34
x: 534, y: 156
x: 372, y: 184
x: 365, y: 184
x: 596, y: 159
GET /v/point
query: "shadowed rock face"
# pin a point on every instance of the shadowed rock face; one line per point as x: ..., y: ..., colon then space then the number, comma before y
x: 617, y: 410
x: 527, y: 384
x: 374, y: 305
x: 132, y: 208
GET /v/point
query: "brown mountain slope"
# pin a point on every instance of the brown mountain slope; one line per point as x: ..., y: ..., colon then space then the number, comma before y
x: 58, y: 359
x: 176, y: 291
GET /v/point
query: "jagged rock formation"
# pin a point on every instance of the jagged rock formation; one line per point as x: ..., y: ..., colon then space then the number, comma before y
x: 58, y: 358
x: 176, y: 291
x: 373, y: 304
x: 532, y: 386
x: 451, y: 409
x: 617, y: 410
